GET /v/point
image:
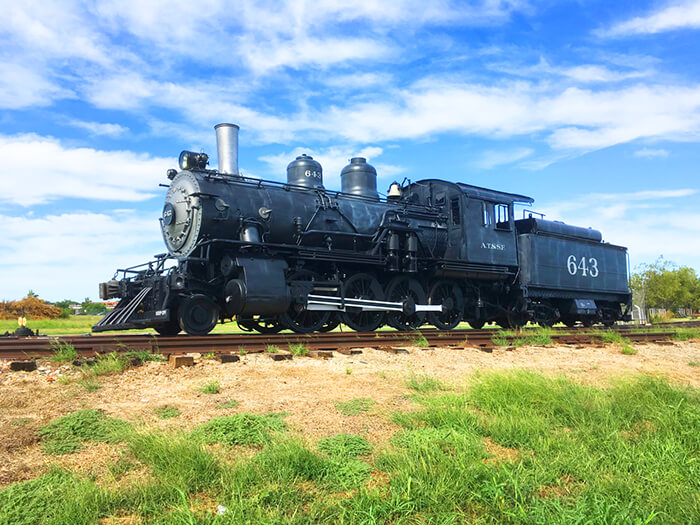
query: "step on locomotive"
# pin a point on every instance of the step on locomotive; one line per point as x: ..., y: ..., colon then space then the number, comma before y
x: 296, y: 255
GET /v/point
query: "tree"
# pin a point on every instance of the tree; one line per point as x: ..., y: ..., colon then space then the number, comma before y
x: 666, y: 285
x: 31, y: 293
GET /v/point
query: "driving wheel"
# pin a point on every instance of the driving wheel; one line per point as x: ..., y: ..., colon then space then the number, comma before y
x: 450, y: 297
x: 363, y: 286
x: 297, y: 318
x: 409, y: 292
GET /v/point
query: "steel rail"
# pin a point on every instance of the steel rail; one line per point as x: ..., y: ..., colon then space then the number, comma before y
x: 17, y: 348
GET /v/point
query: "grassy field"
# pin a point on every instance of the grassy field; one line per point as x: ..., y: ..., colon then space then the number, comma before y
x: 507, y: 447
x: 82, y: 324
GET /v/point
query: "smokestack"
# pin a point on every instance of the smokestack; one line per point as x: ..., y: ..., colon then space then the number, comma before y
x: 227, y: 147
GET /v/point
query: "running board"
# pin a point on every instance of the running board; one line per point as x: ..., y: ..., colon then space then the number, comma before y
x: 339, y: 304
x: 120, y: 315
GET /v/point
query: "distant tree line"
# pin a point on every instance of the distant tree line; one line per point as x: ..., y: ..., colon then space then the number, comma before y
x: 35, y: 308
x: 666, y: 285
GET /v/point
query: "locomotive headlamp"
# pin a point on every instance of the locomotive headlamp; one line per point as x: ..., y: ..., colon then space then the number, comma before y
x: 190, y: 160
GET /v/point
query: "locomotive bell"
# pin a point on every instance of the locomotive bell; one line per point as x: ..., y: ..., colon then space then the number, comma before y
x: 305, y: 171
x: 359, y: 178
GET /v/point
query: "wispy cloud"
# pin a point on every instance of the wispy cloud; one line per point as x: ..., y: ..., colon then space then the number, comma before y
x: 54, y: 171
x: 674, y: 16
x: 99, y: 128
x: 492, y: 158
x: 649, y: 153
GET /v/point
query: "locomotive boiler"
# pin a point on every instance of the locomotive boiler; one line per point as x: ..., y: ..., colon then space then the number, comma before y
x: 299, y: 256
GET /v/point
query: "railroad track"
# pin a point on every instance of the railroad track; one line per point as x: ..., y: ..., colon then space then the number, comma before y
x: 343, y: 342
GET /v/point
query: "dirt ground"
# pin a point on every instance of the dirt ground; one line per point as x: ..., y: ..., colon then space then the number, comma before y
x: 304, y: 388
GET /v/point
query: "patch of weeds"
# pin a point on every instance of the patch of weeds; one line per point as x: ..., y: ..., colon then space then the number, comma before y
x: 241, y: 350
x: 272, y: 349
x: 686, y: 334
x: 240, y: 429
x: 693, y: 363
x: 231, y: 403
x: 19, y: 422
x: 540, y: 336
x: 420, y: 341
x: 382, y: 374
x: 208, y: 355
x: 354, y: 406
x: 348, y: 371
x: 345, y: 446
x: 109, y: 364
x: 298, y: 349
x: 213, y: 387
x: 63, y: 352
x: 176, y: 460
x: 425, y: 383
x: 144, y: 356
x: 627, y: 349
x: 66, y: 434
x: 610, y: 336
x: 167, y: 412
x: 89, y: 383
x: 121, y: 466
x: 56, y: 497
x: 500, y: 338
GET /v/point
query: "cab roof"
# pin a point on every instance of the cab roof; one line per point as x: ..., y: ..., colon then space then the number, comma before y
x: 476, y: 192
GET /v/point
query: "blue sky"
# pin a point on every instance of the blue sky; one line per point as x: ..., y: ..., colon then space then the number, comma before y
x: 591, y: 107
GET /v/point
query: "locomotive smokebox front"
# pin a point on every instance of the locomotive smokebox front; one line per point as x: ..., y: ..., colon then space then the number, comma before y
x: 182, y: 214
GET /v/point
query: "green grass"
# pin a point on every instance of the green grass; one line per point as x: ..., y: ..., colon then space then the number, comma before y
x: 67, y: 434
x: 627, y: 349
x: 63, y: 352
x: 425, y: 383
x: 693, y: 363
x: 231, y: 403
x: 272, y: 349
x: 420, y: 341
x: 212, y: 387
x: 510, y: 447
x: 536, y: 337
x: 167, y: 412
x: 89, y: 383
x: 298, y: 349
x: 354, y: 406
x: 345, y: 446
x: 240, y: 429
x: 686, y: 334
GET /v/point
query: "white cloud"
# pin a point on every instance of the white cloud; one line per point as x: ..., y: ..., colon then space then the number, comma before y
x: 491, y: 158
x: 648, y: 222
x: 53, y: 171
x: 99, y: 128
x: 582, y: 73
x: 22, y: 87
x: 685, y: 15
x: 67, y: 255
x: 649, y: 153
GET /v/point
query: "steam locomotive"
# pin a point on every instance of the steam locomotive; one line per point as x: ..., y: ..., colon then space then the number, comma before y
x: 298, y: 256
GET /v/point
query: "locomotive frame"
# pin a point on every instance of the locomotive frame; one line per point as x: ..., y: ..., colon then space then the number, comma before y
x: 298, y: 256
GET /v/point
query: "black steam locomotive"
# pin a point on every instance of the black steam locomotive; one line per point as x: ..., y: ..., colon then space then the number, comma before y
x: 297, y: 256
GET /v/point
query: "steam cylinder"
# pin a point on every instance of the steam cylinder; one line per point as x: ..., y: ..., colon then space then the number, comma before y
x: 305, y: 171
x: 359, y: 178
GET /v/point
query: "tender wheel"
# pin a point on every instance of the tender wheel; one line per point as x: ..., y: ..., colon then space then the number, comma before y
x: 297, y: 318
x: 408, y: 291
x: 588, y: 322
x: 476, y: 324
x: 198, y: 315
x: 568, y: 322
x: 263, y: 325
x: 168, y: 329
x: 450, y: 296
x: 363, y: 286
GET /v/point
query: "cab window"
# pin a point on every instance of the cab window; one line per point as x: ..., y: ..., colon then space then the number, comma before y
x: 487, y: 214
x: 502, y: 216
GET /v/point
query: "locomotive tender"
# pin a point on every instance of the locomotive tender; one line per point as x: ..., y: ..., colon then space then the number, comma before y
x: 298, y: 256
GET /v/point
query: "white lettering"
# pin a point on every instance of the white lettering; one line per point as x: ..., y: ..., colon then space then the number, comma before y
x: 588, y: 268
